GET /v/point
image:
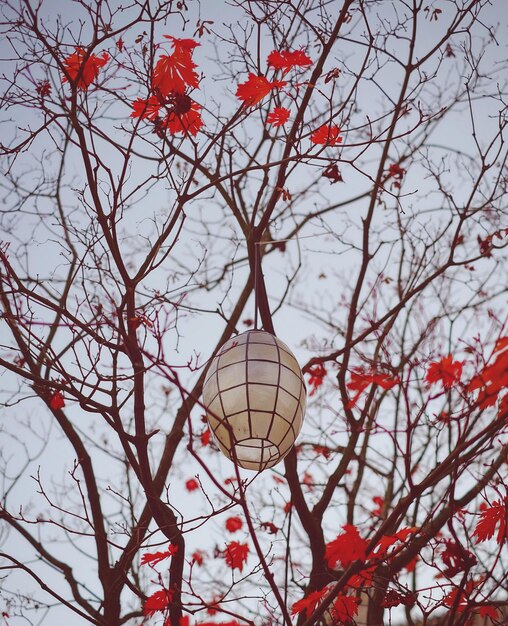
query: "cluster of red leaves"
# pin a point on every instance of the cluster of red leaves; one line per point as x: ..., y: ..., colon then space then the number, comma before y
x: 236, y: 555
x: 233, y: 524
x: 279, y: 116
x: 343, y: 609
x: 493, y: 379
x: 173, y: 74
x: 446, y: 371
x: 57, y: 401
x: 361, y: 379
x: 152, y: 558
x: 496, y: 514
x: 317, y: 374
x: 82, y: 68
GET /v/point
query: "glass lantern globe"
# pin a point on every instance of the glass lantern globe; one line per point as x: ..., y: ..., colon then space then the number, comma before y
x: 255, y: 399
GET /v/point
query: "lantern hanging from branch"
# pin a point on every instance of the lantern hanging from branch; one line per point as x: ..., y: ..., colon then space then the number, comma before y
x: 255, y: 398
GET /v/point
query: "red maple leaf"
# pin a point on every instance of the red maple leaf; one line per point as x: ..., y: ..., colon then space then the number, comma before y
x: 43, y: 88
x: 279, y: 116
x: 487, y: 610
x: 346, y: 548
x: 57, y: 401
x: 456, y: 558
x: 205, y: 437
x: 146, y: 109
x: 187, y: 123
x: 255, y: 88
x: 175, y: 72
x: 361, y: 379
x: 344, y: 609
x: 393, y: 598
x: 286, y: 60
x: 183, y: 46
x: 198, y: 557
x: 379, y: 502
x: 446, y: 371
x: 459, y: 597
x: 493, y: 379
x: 152, y: 558
x: 327, y: 135
x: 192, y: 484
x: 308, y: 604
x: 83, y: 67
x: 233, y: 524
x: 236, y: 554
x: 159, y: 601
x: 496, y: 514
x: 317, y: 374
x: 396, y: 171
x: 270, y: 528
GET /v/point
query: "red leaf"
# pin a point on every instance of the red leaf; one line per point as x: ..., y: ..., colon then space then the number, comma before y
x: 43, y: 88
x: 83, y: 68
x: 396, y: 171
x: 279, y: 116
x: 255, y: 88
x: 187, y: 123
x: 489, y: 519
x: 146, y: 109
x: 379, y: 502
x: 159, y: 601
x: 236, y: 554
x: 175, y: 72
x: 270, y: 528
x: 308, y: 604
x: 344, y: 609
x: 333, y: 174
x: 487, y: 611
x: 205, y: 437
x: 192, y: 484
x: 393, y: 598
x: 57, y: 401
x: 317, y: 374
x: 152, y: 558
x: 119, y: 44
x: 198, y: 557
x: 286, y: 60
x: 446, y: 371
x: 183, y: 46
x: 346, y: 548
x: 456, y: 558
x: 327, y: 134
x: 233, y: 524
x: 361, y: 379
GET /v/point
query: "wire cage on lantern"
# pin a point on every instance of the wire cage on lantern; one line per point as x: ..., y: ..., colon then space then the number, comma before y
x: 255, y: 398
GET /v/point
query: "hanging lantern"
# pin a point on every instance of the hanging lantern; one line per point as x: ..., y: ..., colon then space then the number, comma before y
x: 255, y: 398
